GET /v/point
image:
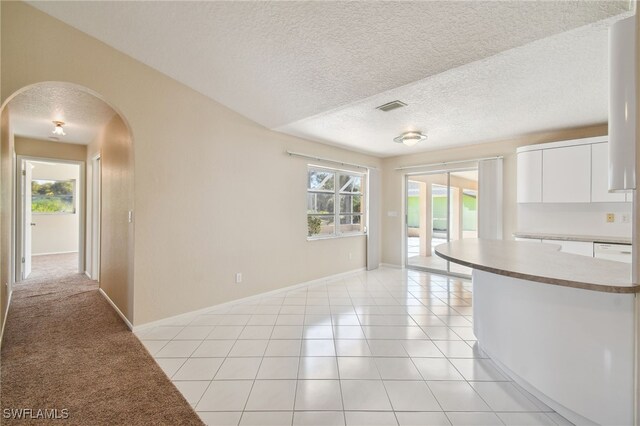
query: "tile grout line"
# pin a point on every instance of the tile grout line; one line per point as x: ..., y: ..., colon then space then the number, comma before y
x: 372, y: 296
x: 244, y: 409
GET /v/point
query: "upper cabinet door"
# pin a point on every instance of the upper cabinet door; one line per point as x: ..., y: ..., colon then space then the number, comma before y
x: 529, y: 177
x: 600, y: 176
x: 566, y: 174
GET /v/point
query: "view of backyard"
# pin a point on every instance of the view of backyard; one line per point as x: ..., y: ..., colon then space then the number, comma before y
x: 439, y: 206
x: 328, y: 203
x: 52, y: 196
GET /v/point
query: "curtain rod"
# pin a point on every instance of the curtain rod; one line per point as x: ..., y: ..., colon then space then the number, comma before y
x: 328, y: 160
x: 445, y: 163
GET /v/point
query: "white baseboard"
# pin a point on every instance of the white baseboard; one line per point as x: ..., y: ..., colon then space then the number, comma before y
x: 391, y: 265
x: 172, y: 319
x: 4, y: 319
x: 56, y: 252
x: 88, y: 275
x: 113, y: 305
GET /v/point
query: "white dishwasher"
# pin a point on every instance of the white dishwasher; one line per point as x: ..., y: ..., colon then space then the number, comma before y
x: 617, y: 252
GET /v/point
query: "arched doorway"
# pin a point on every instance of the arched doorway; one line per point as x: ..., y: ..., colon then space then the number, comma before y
x: 64, y: 125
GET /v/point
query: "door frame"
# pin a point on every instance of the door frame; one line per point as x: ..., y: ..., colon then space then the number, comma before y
x: 405, y: 227
x: 96, y: 217
x: 20, y: 231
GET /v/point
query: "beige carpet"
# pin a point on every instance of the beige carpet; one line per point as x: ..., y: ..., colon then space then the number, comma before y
x: 65, y: 347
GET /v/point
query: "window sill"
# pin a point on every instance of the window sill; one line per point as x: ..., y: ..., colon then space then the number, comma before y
x: 333, y: 237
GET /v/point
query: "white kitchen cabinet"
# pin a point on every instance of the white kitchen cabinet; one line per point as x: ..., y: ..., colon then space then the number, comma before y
x: 576, y: 247
x: 600, y: 176
x: 529, y: 178
x: 566, y: 174
x: 629, y: 197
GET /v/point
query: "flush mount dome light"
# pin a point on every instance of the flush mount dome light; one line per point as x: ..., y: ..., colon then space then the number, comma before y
x: 410, y: 138
x: 58, y: 130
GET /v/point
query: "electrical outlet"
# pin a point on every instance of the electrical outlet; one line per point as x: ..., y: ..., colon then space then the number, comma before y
x: 350, y: 256
x: 238, y: 277
x: 626, y: 218
x: 611, y: 217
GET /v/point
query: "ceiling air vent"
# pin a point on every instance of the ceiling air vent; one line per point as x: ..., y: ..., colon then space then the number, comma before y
x: 391, y: 106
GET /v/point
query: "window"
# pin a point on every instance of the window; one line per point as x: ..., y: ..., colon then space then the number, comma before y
x: 335, y: 203
x: 53, y: 196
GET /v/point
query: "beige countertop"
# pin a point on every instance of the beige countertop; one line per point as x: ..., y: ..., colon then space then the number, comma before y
x: 570, y: 237
x: 542, y: 263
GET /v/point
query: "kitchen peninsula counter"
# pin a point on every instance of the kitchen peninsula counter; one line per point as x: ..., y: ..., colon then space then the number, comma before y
x: 561, y: 325
x: 542, y: 263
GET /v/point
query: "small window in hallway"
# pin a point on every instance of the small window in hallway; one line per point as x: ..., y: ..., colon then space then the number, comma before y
x: 53, y: 196
x: 335, y: 202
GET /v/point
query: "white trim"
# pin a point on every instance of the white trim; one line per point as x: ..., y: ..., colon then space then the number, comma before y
x: 113, y: 305
x: 94, y: 219
x: 392, y: 265
x: 6, y: 313
x: 169, y: 320
x: 331, y: 237
x: 55, y: 252
x: 88, y: 275
x: 563, y: 144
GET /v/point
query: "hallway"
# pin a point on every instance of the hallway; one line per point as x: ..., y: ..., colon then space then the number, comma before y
x: 50, y: 266
x: 66, y: 348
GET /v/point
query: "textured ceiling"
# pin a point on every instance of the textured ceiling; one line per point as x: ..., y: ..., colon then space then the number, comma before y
x: 33, y: 111
x: 554, y: 83
x: 281, y: 62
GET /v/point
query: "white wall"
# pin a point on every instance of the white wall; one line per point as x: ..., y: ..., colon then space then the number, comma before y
x: 55, y: 233
x: 575, y: 218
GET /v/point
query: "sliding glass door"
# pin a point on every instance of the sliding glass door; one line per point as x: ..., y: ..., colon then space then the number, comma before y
x: 440, y: 207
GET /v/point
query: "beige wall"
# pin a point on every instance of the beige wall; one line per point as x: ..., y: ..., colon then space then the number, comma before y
x: 214, y: 192
x: 115, y: 147
x: 393, y: 181
x: 6, y: 222
x: 48, y: 149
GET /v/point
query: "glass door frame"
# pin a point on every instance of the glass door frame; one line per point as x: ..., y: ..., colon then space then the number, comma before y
x: 405, y: 250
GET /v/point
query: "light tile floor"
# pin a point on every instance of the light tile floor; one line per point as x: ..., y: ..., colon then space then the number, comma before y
x: 385, y: 347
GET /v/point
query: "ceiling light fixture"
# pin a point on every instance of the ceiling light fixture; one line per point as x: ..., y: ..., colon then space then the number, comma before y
x: 58, y: 130
x: 410, y: 138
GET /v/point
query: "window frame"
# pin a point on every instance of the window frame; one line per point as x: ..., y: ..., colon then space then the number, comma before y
x: 337, y: 207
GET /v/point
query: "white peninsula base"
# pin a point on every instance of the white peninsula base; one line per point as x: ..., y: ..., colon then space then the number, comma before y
x: 572, y: 348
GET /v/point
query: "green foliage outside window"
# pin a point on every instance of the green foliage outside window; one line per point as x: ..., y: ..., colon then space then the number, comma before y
x: 314, y: 224
x: 52, y: 196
